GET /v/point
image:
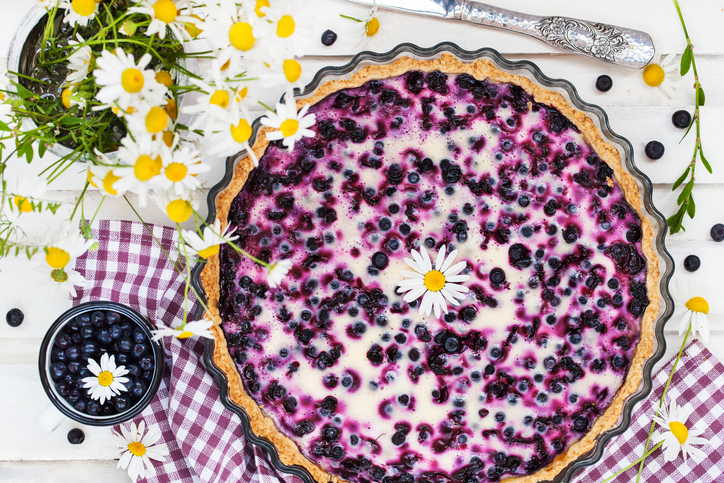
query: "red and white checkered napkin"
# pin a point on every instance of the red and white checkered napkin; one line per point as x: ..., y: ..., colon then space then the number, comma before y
x: 699, y: 382
x: 205, y: 440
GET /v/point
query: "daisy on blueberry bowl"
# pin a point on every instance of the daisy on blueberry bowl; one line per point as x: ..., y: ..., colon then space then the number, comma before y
x: 99, y: 365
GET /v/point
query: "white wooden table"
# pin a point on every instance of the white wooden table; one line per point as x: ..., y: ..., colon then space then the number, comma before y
x: 28, y: 455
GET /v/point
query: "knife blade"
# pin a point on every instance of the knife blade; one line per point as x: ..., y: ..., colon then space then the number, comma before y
x: 609, y: 43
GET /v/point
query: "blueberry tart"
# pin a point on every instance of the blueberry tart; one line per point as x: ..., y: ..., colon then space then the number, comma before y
x: 516, y: 378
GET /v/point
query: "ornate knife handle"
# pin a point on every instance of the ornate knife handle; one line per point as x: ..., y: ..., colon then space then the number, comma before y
x: 617, y: 45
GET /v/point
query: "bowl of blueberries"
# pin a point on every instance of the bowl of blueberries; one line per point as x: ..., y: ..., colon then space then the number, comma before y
x: 115, y: 342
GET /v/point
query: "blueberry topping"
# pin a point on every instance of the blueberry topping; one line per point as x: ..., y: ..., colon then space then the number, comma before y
x: 717, y: 232
x: 604, y: 83
x: 380, y: 260
x: 692, y: 263
x: 328, y: 37
x: 452, y: 343
x: 14, y: 317
x: 76, y: 436
x: 654, y: 150
x: 497, y: 276
x: 681, y: 119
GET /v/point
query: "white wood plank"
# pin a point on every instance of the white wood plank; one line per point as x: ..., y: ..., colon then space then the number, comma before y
x: 84, y: 471
x: 23, y: 398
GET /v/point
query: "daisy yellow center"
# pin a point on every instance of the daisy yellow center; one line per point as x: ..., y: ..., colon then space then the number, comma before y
x: 184, y: 335
x: 23, y: 204
x: 156, y: 119
x: 654, y: 75
x: 108, y: 181
x: 167, y: 137
x: 372, y: 27
x: 292, y: 70
x: 434, y: 280
x: 90, y: 179
x: 220, y: 98
x: 165, y: 11
x: 65, y: 97
x: 179, y: 210
x: 137, y: 448
x: 57, y: 257
x: 59, y: 275
x: 259, y: 5
x: 698, y: 304
x: 170, y: 108
x: 176, y: 172
x: 146, y: 167
x: 241, y: 132
x: 193, y: 30
x: 2, y: 96
x: 105, y: 378
x: 285, y: 26
x: 679, y: 430
x: 241, y: 94
x: 207, y: 252
x: 225, y: 66
x: 241, y: 36
x: 83, y: 7
x: 163, y: 77
x: 289, y: 127
x: 132, y: 80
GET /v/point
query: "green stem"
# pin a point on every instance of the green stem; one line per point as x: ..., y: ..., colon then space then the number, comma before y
x: 663, y: 395
x: 634, y: 463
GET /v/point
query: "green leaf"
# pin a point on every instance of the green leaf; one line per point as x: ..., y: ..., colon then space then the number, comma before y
x: 681, y: 179
x: 685, y: 192
x: 691, y: 207
x: 23, y: 92
x: 42, y: 147
x: 4, y: 127
x: 71, y: 121
x: 704, y: 161
x: 686, y: 61
x: 687, y: 131
x: 700, y: 97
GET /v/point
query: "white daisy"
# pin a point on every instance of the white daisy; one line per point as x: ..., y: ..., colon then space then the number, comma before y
x: 198, y: 328
x: 148, y: 119
x: 225, y: 139
x: 676, y: 435
x: 70, y: 98
x: 79, y: 61
x: 79, y: 12
x: 105, y: 179
x: 57, y: 280
x: 165, y: 13
x: 180, y: 171
x: 139, y: 448
x: 47, y: 4
x: 207, y: 244
x: 21, y: 191
x: 282, y: 70
x: 178, y: 208
x: 67, y: 245
x: 697, y: 299
x: 292, y: 126
x: 145, y: 158
x: 277, y: 271
x: 107, y: 379
x: 219, y: 99
x: 657, y: 80
x: 126, y: 82
x: 289, y: 20
x: 434, y: 284
x: 231, y: 32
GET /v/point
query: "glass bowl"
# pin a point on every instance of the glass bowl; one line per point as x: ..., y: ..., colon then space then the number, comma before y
x: 45, y: 360
x: 600, y: 119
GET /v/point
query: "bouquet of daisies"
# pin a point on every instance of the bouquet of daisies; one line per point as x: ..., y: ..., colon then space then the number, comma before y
x: 130, y: 105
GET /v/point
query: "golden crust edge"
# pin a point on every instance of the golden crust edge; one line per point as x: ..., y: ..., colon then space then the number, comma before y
x: 263, y: 426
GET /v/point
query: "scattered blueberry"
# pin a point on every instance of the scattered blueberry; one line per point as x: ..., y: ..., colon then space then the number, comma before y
x: 654, y: 150
x: 76, y: 436
x: 681, y: 119
x: 329, y: 37
x: 604, y: 83
x: 14, y: 317
x: 692, y: 263
x: 717, y: 232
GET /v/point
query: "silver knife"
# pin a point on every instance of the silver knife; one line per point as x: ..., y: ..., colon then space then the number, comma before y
x: 617, y: 45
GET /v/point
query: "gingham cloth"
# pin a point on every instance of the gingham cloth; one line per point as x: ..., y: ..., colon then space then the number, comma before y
x: 699, y: 382
x: 204, y: 439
